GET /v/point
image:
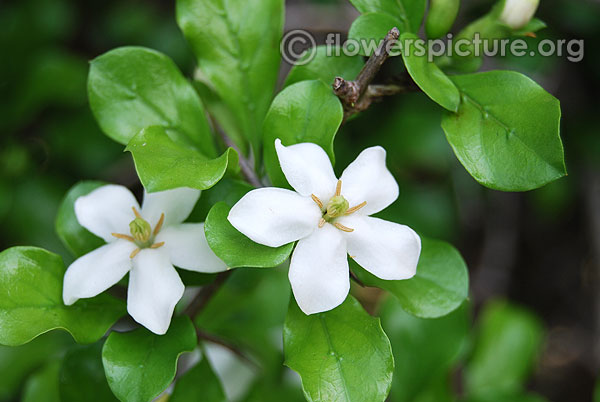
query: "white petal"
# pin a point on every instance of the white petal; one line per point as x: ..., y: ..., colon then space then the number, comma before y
x: 274, y: 216
x: 308, y: 169
x: 93, y: 273
x: 368, y: 179
x: 319, y: 272
x: 154, y: 290
x: 176, y: 204
x: 106, y: 210
x: 385, y: 249
x: 188, y: 249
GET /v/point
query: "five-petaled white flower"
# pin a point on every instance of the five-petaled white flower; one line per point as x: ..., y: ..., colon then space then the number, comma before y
x: 145, y: 242
x: 330, y: 218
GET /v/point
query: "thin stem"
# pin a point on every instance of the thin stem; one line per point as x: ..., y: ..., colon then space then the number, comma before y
x: 246, y: 167
x: 205, y: 294
x: 234, y: 349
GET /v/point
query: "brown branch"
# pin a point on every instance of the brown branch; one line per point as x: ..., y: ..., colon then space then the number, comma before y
x: 205, y: 294
x: 234, y: 349
x: 351, y: 93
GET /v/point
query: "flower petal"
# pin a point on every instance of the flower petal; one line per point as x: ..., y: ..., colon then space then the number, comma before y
x: 385, y: 249
x: 106, y: 210
x: 308, y: 169
x: 274, y: 216
x: 154, y: 290
x: 368, y: 179
x: 188, y: 249
x: 93, y: 273
x: 319, y: 272
x: 176, y: 204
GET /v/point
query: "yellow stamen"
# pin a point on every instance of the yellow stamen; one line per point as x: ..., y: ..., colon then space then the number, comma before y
x: 322, y: 222
x: 122, y: 236
x: 355, y: 208
x: 342, y: 227
x: 157, y: 245
x: 135, y: 211
x: 134, y: 253
x: 159, y: 224
x: 317, y: 200
x: 338, y: 188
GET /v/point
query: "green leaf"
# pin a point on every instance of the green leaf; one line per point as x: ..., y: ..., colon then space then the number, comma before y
x: 341, y: 355
x: 507, y: 345
x: 304, y: 112
x: 131, y: 88
x: 81, y: 372
x: 506, y: 131
x: 235, y: 249
x: 409, y: 12
x: 43, y: 385
x: 31, y: 300
x: 327, y: 63
x: 440, y: 17
x: 237, y: 47
x: 139, y: 365
x: 424, y: 349
x: 199, y: 384
x: 428, y: 76
x: 75, y: 237
x: 163, y: 164
x: 440, y: 286
x: 532, y: 26
x: 368, y: 30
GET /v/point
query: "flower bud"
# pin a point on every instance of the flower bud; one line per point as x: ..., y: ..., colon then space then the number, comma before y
x: 517, y: 13
x: 337, y: 206
x: 140, y: 230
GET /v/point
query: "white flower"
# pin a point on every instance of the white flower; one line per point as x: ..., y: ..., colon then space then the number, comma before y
x: 517, y: 13
x: 330, y: 218
x: 146, y: 244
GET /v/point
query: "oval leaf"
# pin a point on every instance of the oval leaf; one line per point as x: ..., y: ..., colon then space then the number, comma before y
x: 236, y: 44
x: 427, y: 75
x: 304, y: 112
x: 31, y: 300
x: 75, y: 237
x: 341, y: 355
x: 236, y: 249
x: 439, y: 287
x: 506, y: 131
x: 131, y: 88
x: 409, y: 12
x: 327, y: 63
x: 368, y: 30
x: 163, y: 164
x: 139, y: 365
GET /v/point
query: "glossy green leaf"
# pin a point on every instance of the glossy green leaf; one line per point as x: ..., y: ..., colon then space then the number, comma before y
x: 43, y: 385
x: 236, y: 249
x: 198, y: 384
x: 409, y: 12
x: 424, y: 348
x: 31, y: 300
x: 368, y: 30
x: 75, y: 237
x: 139, y: 365
x: 507, y: 345
x: 440, y: 286
x: 506, y: 131
x: 341, y: 355
x: 304, y: 112
x: 428, y: 76
x: 131, y: 88
x: 164, y: 164
x: 440, y: 17
x: 326, y: 64
x: 82, y: 371
x: 236, y: 44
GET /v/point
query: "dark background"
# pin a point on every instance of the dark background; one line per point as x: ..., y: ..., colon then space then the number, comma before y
x: 539, y: 249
